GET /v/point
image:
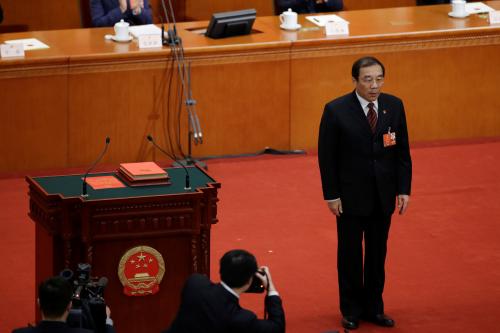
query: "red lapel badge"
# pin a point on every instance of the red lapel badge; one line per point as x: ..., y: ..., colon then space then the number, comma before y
x: 141, y: 270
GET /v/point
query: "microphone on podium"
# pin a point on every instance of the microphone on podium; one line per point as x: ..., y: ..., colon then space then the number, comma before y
x: 84, y: 184
x: 188, y: 183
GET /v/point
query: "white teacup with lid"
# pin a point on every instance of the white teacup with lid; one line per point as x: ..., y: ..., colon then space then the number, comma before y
x: 121, y: 31
x: 289, y: 20
x: 458, y: 9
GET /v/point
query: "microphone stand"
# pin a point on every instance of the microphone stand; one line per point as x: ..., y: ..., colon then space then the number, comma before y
x: 84, y: 183
x: 194, y: 129
x: 194, y: 133
x: 187, y: 186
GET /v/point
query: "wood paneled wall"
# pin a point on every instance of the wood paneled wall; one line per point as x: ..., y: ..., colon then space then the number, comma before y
x: 266, y: 89
x: 30, y: 15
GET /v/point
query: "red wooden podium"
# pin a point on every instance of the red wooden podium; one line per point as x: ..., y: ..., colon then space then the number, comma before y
x: 101, y: 228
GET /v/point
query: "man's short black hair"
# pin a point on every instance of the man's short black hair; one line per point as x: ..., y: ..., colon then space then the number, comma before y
x: 237, y: 267
x: 54, y: 295
x: 365, y: 62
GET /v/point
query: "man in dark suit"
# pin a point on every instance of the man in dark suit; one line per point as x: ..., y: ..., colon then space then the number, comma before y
x: 365, y: 166
x: 208, y: 307
x: 105, y: 13
x: 54, y: 300
x: 308, y: 6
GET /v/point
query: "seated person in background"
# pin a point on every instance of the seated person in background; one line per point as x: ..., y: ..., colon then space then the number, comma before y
x: 208, y: 307
x: 54, y: 300
x: 431, y: 2
x: 105, y: 13
x: 308, y: 6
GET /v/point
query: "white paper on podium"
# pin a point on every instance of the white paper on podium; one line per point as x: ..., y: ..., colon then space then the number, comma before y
x: 28, y: 43
x: 320, y: 20
x: 146, y: 29
x: 477, y: 7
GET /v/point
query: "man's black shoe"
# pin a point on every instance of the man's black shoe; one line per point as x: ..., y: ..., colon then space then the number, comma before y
x: 350, y: 322
x: 381, y: 320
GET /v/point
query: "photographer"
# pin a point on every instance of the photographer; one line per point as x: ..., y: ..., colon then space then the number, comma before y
x: 209, y: 307
x: 54, y: 300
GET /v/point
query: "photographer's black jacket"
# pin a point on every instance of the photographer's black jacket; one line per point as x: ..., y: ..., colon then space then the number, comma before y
x: 207, y: 307
x: 51, y: 327
x: 46, y: 326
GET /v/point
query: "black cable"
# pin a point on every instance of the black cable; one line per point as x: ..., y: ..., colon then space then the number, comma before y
x: 167, y: 123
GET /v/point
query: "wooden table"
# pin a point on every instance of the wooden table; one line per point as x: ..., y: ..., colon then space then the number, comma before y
x: 265, y: 89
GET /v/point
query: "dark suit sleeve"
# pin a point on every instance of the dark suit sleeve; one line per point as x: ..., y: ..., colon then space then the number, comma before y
x: 145, y: 17
x: 247, y: 322
x: 110, y: 329
x: 328, y: 148
x: 404, y: 167
x: 295, y: 5
x: 101, y: 18
x: 334, y: 5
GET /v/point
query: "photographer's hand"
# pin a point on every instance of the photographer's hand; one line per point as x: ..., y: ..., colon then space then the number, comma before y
x: 269, y: 280
x: 109, y: 321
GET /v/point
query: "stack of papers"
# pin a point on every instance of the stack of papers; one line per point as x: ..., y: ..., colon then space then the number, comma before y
x: 320, y: 20
x: 28, y: 43
x: 147, y: 29
x: 477, y: 7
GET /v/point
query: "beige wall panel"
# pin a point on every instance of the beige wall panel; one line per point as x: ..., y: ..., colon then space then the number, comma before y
x: 243, y: 107
x: 33, y: 129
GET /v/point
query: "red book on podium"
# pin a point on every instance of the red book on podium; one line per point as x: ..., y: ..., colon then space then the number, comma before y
x: 143, y: 174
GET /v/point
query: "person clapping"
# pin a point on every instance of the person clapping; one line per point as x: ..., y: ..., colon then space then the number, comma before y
x: 105, y: 13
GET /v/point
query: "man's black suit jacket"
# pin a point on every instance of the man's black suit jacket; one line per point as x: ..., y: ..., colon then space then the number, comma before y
x: 207, y: 307
x: 51, y: 327
x: 354, y: 164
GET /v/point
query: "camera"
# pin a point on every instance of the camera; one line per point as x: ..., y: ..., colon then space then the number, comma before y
x: 257, y: 287
x: 88, y: 305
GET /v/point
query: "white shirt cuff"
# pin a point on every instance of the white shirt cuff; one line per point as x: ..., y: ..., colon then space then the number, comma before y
x: 273, y: 293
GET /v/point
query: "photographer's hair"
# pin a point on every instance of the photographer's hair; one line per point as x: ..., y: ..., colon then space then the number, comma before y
x: 365, y: 62
x: 54, y: 295
x: 237, y: 267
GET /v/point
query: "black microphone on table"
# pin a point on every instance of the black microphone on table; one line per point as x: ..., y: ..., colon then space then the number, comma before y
x: 188, y: 183
x: 172, y: 37
x: 84, y: 184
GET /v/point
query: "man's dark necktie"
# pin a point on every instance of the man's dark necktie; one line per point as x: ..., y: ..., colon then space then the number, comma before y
x: 372, y: 117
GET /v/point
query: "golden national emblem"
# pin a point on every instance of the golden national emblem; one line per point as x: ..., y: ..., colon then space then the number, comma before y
x: 141, y: 270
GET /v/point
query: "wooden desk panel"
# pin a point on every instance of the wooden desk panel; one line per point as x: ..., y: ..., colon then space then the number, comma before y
x: 34, y: 122
x: 33, y: 127
x: 243, y: 106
